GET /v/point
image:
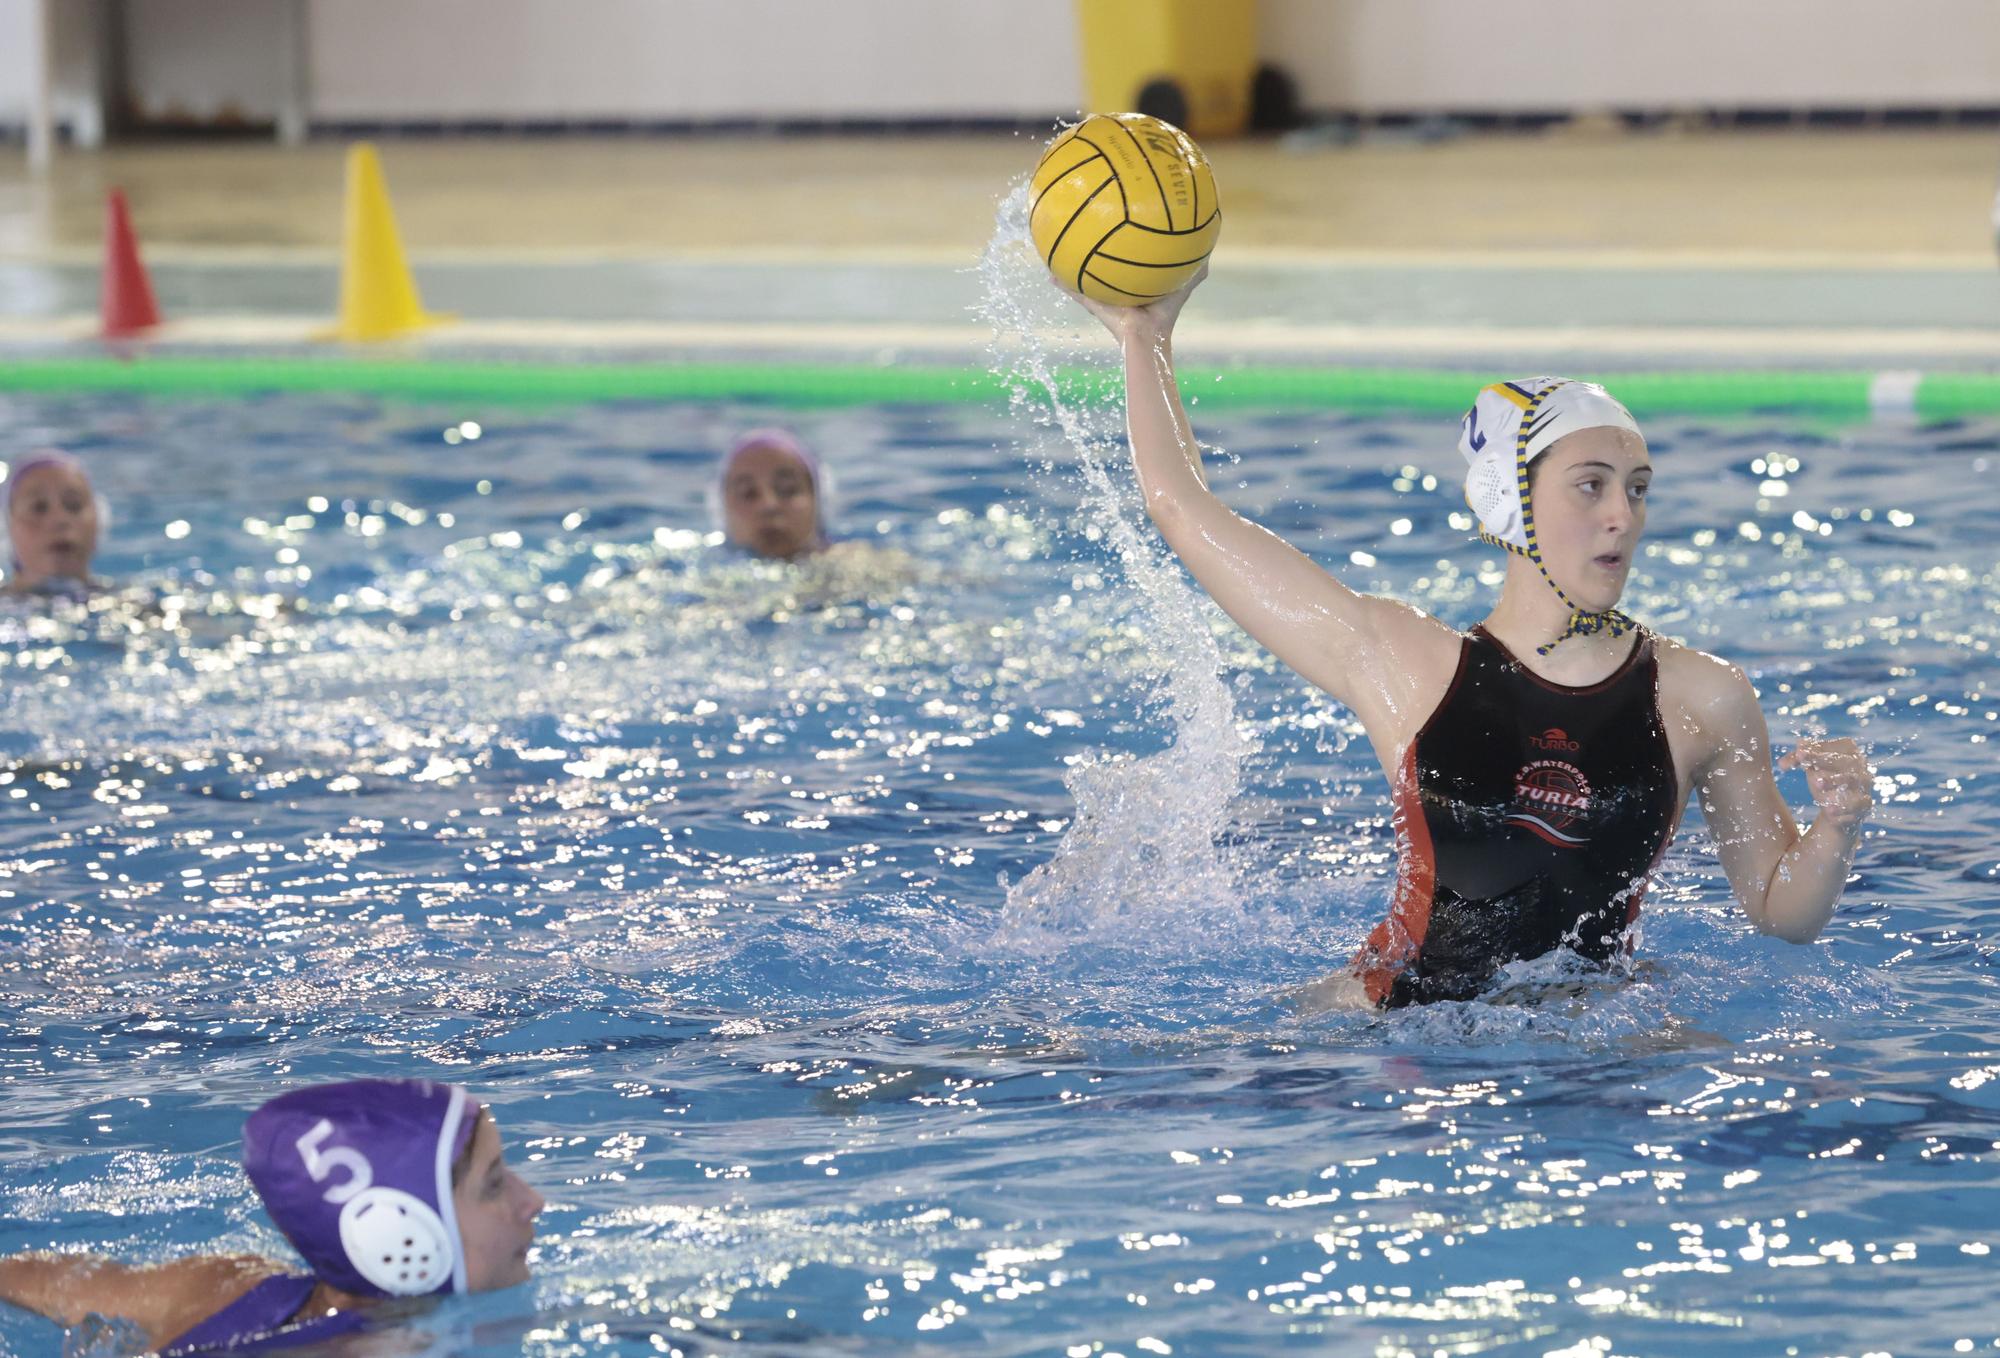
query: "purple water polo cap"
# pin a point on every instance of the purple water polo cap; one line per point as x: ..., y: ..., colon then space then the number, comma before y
x: 358, y: 1177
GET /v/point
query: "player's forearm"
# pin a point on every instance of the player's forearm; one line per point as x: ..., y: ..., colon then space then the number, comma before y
x: 1808, y: 881
x: 1165, y: 452
x: 47, y: 1284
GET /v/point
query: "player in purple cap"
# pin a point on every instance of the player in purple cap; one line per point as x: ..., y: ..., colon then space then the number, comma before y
x: 389, y: 1188
x: 770, y: 496
x: 53, y: 522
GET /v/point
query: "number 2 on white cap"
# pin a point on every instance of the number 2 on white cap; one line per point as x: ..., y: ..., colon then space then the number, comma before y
x: 320, y: 1163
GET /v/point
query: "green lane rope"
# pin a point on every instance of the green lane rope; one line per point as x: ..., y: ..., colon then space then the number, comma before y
x: 1826, y: 394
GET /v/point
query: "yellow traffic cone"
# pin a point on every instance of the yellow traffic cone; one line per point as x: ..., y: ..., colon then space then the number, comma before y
x: 378, y: 298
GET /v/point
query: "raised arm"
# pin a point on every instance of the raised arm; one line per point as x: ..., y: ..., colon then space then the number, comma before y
x: 1788, y: 882
x: 1378, y: 656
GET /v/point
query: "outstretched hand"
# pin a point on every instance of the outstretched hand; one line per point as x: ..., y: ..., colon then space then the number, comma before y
x: 1154, y: 321
x: 1837, y: 772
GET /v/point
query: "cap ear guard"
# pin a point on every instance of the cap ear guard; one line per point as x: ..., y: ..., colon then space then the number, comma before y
x: 396, y: 1242
x: 1487, y: 487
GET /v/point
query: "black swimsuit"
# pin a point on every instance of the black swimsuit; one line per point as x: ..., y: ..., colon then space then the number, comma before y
x: 1529, y: 814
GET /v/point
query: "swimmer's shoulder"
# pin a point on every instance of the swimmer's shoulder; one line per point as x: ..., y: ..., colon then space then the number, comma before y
x: 1402, y: 663
x: 854, y: 551
x: 1413, y: 636
x: 164, y: 1299
x: 195, y: 1288
x: 1696, y: 678
x: 53, y: 590
x: 1707, y: 702
x: 875, y: 566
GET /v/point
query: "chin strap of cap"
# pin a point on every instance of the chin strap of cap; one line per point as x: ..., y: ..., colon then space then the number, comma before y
x: 1582, y: 622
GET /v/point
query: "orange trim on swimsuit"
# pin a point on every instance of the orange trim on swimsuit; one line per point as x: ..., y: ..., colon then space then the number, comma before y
x: 1397, y: 940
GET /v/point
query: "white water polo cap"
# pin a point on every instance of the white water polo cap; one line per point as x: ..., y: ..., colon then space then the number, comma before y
x: 1509, y: 426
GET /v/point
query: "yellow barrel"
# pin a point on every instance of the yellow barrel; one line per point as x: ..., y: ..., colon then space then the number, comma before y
x: 1140, y: 54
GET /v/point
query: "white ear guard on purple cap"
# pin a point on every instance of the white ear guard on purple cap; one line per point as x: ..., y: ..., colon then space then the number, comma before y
x: 358, y: 1177
x: 397, y: 1241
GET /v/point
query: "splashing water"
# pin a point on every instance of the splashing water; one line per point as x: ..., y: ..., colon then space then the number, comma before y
x: 668, y: 855
x: 1146, y: 844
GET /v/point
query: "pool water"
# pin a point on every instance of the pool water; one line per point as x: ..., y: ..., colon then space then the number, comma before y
x: 889, y: 957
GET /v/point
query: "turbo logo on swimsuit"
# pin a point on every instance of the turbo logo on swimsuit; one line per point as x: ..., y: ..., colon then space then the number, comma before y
x: 1555, y: 738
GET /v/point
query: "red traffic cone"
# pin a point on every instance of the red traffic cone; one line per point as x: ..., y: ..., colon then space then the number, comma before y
x: 128, y: 305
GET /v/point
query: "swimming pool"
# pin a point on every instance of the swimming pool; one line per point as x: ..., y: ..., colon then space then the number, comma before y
x: 887, y: 961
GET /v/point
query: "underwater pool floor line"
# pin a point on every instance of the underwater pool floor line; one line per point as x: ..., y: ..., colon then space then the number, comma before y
x: 1845, y: 394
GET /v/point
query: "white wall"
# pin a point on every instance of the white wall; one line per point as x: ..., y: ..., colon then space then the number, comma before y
x: 691, y: 59
x: 76, y: 95
x: 206, y: 60
x: 19, y: 37
x: 733, y: 59
x: 1582, y: 54
x: 74, y: 98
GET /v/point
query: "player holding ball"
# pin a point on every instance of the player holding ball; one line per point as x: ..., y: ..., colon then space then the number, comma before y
x: 1538, y: 763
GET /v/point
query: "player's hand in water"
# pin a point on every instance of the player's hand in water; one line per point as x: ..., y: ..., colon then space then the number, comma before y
x: 1837, y: 772
x: 1341, y: 991
x: 1155, y: 320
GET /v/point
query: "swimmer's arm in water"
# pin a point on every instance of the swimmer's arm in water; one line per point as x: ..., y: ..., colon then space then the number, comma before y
x: 164, y: 1300
x: 1359, y: 648
x: 1788, y: 882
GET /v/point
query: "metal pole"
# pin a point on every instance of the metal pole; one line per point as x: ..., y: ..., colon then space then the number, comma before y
x: 293, y: 120
x: 41, y: 104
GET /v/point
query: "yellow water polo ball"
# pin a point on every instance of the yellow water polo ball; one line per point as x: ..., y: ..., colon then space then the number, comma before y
x: 1123, y: 208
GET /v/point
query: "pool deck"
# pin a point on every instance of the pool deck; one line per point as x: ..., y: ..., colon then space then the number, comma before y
x: 1668, y: 248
